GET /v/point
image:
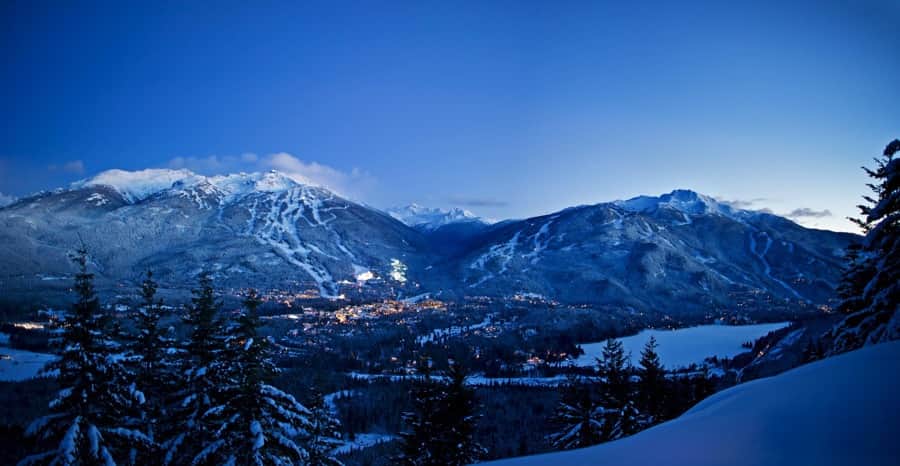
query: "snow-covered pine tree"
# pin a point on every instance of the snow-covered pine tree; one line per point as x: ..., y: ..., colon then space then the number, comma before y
x: 418, y: 440
x: 652, y: 390
x: 200, y: 379
x: 457, y: 421
x: 871, y: 285
x: 616, y: 394
x: 152, y: 359
x: 258, y: 424
x: 84, y: 425
x: 578, y: 419
x: 324, y: 433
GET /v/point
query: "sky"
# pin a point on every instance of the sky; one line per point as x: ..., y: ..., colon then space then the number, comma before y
x: 509, y: 109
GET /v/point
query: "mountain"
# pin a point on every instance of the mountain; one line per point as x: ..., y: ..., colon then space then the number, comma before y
x: 679, y: 252
x: 430, y: 218
x: 787, y: 420
x: 258, y: 229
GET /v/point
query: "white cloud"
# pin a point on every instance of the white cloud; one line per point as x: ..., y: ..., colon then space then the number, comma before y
x: 74, y: 166
x: 806, y: 212
x: 352, y: 184
x: 211, y: 165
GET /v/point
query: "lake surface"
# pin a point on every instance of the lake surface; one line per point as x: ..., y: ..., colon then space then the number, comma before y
x: 682, y: 347
x: 16, y: 364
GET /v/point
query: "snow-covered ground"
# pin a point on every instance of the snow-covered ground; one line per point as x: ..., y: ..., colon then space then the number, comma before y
x: 452, y: 331
x: 835, y: 412
x: 18, y: 364
x: 682, y: 347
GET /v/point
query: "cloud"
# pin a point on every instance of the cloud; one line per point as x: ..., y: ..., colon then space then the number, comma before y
x: 74, y: 166
x: 799, y: 214
x: 806, y: 212
x: 353, y: 183
x: 305, y: 172
x: 477, y: 202
x: 742, y: 203
x: 6, y: 200
x: 214, y: 164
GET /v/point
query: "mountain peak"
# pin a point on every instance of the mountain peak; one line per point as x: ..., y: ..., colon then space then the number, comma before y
x: 415, y: 215
x: 141, y: 184
x: 685, y: 201
x: 138, y: 185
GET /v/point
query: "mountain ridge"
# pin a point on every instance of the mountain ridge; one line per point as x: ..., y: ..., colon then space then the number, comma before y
x: 268, y: 231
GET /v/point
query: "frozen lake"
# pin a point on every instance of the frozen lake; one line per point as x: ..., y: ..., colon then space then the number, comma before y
x: 16, y: 364
x: 682, y: 347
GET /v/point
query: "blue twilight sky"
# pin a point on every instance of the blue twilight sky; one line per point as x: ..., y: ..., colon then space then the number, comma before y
x: 510, y: 109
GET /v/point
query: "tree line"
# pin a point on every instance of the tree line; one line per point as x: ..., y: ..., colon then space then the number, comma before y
x: 616, y: 401
x: 620, y: 400
x: 144, y: 398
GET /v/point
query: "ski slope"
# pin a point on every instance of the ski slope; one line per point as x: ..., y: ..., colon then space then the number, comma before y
x: 836, y: 412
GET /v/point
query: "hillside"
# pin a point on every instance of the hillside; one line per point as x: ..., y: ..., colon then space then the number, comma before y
x: 790, y: 419
x: 681, y: 252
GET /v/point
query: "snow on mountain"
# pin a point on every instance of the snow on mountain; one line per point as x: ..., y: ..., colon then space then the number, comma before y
x: 245, y: 183
x: 790, y: 419
x: 430, y: 218
x: 136, y: 186
x: 263, y: 229
x: 266, y: 229
x: 678, y: 250
x: 685, y: 201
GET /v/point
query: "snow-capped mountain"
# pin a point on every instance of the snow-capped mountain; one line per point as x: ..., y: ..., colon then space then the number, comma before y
x: 790, y: 419
x: 430, y: 218
x: 686, y: 202
x: 251, y: 229
x: 137, y: 186
x: 678, y: 252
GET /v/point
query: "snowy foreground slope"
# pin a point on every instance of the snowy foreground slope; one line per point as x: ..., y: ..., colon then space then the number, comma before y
x: 840, y: 411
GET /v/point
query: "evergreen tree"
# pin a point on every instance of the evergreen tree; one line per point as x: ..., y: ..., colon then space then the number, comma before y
x: 441, y: 428
x: 702, y: 385
x: 812, y: 351
x: 456, y: 445
x: 324, y: 433
x: 256, y: 423
x: 870, y: 288
x: 200, y: 379
x: 652, y: 386
x: 151, y: 360
x: 616, y: 394
x: 85, y: 421
x: 418, y: 441
x: 578, y: 419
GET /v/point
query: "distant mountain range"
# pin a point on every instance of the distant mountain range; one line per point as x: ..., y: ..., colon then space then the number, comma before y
x: 430, y: 219
x: 676, y: 251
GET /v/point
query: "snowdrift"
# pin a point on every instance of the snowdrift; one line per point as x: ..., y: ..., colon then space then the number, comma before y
x: 840, y: 411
